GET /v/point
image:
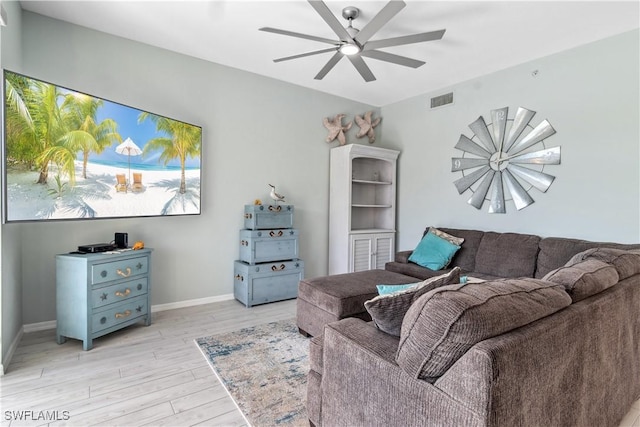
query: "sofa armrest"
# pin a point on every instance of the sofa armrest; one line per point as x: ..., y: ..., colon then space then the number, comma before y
x: 362, y: 384
x: 403, y: 256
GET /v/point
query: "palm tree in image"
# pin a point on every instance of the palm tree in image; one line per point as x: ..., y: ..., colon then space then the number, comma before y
x: 48, y: 121
x: 182, y: 141
x: 86, y: 135
x: 20, y: 133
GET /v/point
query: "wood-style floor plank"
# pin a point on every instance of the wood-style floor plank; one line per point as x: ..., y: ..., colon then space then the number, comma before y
x: 142, y: 375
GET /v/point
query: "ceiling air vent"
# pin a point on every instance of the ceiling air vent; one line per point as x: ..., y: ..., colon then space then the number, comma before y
x: 442, y: 100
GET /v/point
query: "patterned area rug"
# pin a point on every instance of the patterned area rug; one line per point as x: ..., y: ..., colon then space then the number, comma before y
x: 264, y: 369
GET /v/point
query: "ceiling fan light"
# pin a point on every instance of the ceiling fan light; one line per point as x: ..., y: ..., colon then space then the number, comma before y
x: 349, y: 49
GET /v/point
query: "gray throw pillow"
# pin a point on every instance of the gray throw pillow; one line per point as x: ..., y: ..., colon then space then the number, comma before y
x: 443, y: 324
x: 585, y: 278
x: 626, y: 262
x: 387, y: 311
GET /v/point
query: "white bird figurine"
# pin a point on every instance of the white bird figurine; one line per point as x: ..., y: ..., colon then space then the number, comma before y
x: 275, y: 196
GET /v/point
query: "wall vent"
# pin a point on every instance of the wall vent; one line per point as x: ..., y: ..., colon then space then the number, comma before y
x: 442, y: 100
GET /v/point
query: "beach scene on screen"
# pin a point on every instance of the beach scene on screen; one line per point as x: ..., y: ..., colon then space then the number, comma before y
x: 69, y: 155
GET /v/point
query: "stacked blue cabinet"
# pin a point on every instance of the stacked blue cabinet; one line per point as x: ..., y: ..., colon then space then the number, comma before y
x: 269, y: 268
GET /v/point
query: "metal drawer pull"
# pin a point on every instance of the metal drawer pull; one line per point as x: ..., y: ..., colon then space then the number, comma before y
x: 244, y: 243
x: 274, y: 234
x: 248, y: 216
x: 123, y: 294
x: 123, y: 274
x: 127, y: 313
x: 275, y: 208
x: 276, y: 268
x: 239, y: 277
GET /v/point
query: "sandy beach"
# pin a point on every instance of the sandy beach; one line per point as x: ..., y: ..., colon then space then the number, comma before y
x: 96, y: 196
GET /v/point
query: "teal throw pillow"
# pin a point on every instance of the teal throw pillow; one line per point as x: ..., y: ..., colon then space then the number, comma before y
x: 433, y: 252
x: 389, y: 289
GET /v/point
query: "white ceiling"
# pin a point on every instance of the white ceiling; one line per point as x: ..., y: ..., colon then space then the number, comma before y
x: 481, y: 37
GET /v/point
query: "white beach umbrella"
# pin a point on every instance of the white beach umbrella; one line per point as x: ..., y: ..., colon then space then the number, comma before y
x: 128, y: 148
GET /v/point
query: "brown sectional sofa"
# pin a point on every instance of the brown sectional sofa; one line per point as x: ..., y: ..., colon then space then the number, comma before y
x: 576, y: 366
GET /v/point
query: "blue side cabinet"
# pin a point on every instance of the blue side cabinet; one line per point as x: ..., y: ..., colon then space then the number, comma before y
x: 97, y: 294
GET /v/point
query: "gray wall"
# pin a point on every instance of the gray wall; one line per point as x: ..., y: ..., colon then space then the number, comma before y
x: 10, y: 236
x: 590, y: 95
x: 259, y: 130
x: 255, y: 131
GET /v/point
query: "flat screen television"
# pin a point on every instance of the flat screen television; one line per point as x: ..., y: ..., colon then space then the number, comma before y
x: 68, y: 155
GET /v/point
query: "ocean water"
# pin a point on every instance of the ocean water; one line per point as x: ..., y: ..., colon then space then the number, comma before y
x: 141, y: 166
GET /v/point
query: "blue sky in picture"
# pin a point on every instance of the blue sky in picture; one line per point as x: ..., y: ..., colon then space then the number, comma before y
x: 140, y: 133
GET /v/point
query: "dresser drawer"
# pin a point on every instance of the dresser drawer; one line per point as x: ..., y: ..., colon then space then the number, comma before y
x: 259, y: 217
x: 119, y: 292
x: 120, y: 313
x: 268, y: 245
x: 118, y: 270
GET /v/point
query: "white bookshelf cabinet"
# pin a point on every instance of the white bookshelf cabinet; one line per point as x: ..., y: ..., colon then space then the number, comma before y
x: 362, y: 207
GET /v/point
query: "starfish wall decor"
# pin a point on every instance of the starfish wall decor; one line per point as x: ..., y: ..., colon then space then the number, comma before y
x: 336, y: 129
x: 366, y: 126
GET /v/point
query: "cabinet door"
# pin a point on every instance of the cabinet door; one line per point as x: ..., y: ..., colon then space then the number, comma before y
x: 383, y: 250
x: 360, y: 253
x: 370, y: 251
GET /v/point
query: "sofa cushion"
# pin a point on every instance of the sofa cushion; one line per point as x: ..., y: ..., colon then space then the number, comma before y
x: 585, y: 278
x: 626, y: 263
x: 433, y: 252
x: 507, y: 254
x: 465, y: 258
x: 387, y: 311
x: 445, y: 322
x: 556, y: 251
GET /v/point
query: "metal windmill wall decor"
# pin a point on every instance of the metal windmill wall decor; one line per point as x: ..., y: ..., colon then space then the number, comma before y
x: 512, y: 157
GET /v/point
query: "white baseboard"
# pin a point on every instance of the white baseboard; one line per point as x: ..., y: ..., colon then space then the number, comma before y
x: 40, y: 326
x: 51, y: 324
x: 12, y: 349
x: 190, y: 303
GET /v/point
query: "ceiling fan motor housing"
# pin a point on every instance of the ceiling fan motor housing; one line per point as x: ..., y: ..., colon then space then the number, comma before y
x: 350, y: 12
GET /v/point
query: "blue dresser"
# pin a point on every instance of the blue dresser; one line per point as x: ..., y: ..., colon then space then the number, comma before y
x: 269, y: 268
x: 100, y: 293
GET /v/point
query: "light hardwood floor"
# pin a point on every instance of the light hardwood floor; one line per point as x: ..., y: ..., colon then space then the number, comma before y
x: 153, y: 375
x: 138, y: 376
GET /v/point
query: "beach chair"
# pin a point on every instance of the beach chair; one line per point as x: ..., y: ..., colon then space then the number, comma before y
x: 137, y: 182
x: 121, y: 184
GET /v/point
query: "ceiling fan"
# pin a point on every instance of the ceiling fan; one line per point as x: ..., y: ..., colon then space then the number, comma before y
x: 354, y: 43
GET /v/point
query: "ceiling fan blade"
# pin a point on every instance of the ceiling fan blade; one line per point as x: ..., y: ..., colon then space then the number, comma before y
x: 395, y: 59
x: 302, y: 55
x: 299, y: 35
x: 390, y: 10
x: 329, y: 65
x: 330, y: 19
x: 397, y: 41
x: 362, y: 68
